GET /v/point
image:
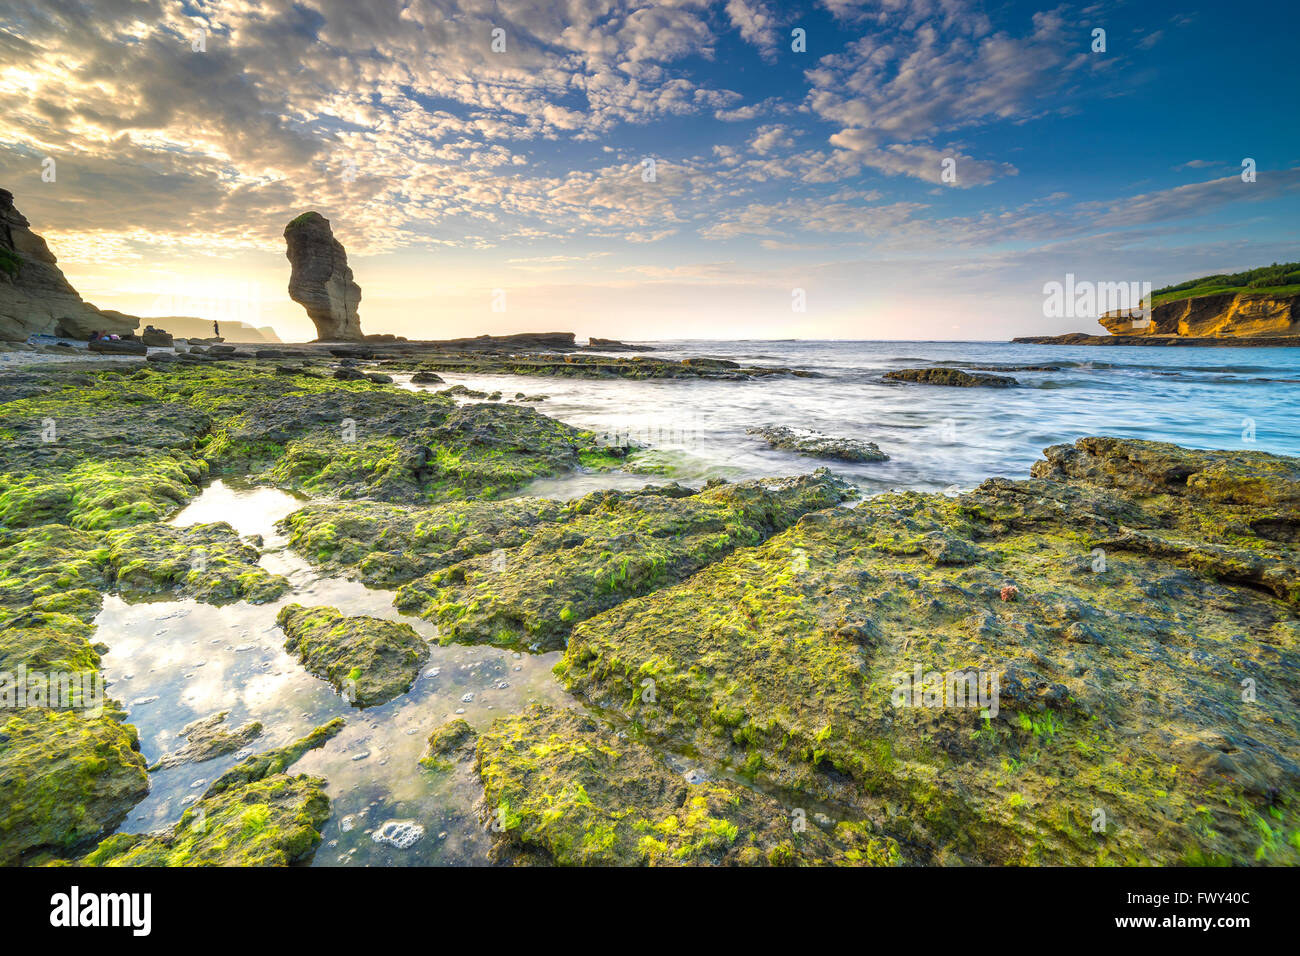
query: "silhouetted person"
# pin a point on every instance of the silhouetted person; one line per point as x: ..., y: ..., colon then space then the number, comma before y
x: 216, y: 332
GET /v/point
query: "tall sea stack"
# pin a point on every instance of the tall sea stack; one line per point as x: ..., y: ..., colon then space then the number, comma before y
x: 321, y: 281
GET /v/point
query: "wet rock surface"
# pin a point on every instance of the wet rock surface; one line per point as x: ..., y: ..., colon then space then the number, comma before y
x: 612, y: 547
x: 253, y: 815
x: 368, y: 660
x: 602, y: 366
x: 816, y: 445
x: 560, y: 789
x: 65, y: 778
x: 816, y: 662
x: 208, y: 738
x: 950, y: 376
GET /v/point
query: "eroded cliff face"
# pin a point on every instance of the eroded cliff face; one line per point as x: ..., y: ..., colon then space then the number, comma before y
x: 35, y: 297
x: 321, y: 281
x: 1230, y: 314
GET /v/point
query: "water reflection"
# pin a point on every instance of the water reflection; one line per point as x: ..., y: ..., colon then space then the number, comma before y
x: 171, y: 662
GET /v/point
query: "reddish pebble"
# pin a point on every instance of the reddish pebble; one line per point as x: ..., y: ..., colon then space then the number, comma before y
x: 1009, y: 592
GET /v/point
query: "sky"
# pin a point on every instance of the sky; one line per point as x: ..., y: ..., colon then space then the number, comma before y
x: 851, y: 169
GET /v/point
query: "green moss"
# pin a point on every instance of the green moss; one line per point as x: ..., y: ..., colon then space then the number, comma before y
x: 613, y: 546
x: 65, y: 778
x: 369, y: 660
x: 207, y: 561
x: 1119, y: 691
x: 452, y: 741
x: 253, y: 815
x: 10, y: 262
x: 560, y: 789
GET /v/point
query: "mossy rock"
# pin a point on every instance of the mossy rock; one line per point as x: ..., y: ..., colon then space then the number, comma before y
x: 386, y: 544
x: 367, y: 659
x: 208, y: 562
x: 612, y: 547
x: 66, y: 778
x: 252, y: 815
x: 560, y: 789
x: 1145, y: 614
x: 451, y: 742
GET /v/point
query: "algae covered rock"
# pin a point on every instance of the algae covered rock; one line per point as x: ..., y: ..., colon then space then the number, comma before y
x: 66, y: 778
x: 360, y: 440
x: 48, y: 641
x: 816, y: 445
x: 614, y: 546
x: 1111, y: 713
x: 367, y: 659
x: 388, y: 544
x: 206, y: 739
x: 253, y: 815
x: 47, y: 561
x: 951, y: 377
x: 452, y: 741
x: 207, y: 561
x: 96, y: 452
x: 559, y: 789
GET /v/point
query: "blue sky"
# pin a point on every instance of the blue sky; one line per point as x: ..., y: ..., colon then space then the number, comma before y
x: 451, y: 171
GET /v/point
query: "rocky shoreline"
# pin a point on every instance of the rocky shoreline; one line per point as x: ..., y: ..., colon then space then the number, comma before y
x: 1189, y: 341
x: 1122, y: 626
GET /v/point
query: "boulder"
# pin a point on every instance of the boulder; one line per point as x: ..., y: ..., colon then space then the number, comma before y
x: 156, y: 338
x: 321, y: 281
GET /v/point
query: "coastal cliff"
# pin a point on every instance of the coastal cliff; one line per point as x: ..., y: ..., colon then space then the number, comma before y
x: 1258, y: 307
x: 1237, y: 314
x: 35, y: 296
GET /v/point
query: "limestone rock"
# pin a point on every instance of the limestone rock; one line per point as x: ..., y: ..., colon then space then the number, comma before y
x: 321, y: 281
x: 1227, y: 314
x: 35, y: 297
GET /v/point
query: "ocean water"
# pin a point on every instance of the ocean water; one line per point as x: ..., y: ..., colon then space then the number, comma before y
x: 936, y: 436
x: 171, y: 662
